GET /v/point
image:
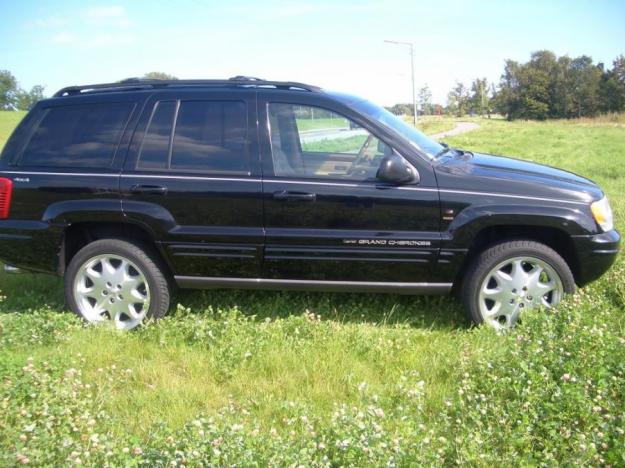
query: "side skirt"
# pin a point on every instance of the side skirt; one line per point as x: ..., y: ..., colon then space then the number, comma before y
x: 198, y: 282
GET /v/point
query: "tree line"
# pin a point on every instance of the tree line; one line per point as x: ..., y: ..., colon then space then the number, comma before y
x: 13, y: 97
x: 544, y: 87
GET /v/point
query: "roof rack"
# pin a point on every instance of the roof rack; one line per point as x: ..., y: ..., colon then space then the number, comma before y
x: 145, y: 83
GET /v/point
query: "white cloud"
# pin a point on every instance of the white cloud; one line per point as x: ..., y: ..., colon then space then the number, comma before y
x: 112, y: 15
x: 64, y: 38
x: 109, y: 40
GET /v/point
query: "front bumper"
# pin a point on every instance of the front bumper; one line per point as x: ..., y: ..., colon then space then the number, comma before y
x: 595, y: 255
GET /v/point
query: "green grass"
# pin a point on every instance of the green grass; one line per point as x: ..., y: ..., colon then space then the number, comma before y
x: 432, y: 124
x: 349, y: 145
x: 306, y: 125
x: 8, y: 121
x: 328, y: 379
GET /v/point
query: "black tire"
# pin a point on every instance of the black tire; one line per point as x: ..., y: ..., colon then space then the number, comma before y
x: 494, y: 255
x: 142, y: 256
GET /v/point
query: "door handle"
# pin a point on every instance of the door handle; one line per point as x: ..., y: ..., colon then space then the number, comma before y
x: 295, y: 196
x: 149, y: 189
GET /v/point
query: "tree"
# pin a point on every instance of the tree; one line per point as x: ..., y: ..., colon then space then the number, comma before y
x: 8, y: 90
x: 612, y: 87
x: 480, y: 100
x: 585, y: 79
x: 25, y: 100
x: 458, y: 99
x: 402, y: 109
x: 159, y: 76
x: 425, y: 100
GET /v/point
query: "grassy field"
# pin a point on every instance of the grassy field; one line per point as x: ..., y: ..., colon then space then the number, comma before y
x: 8, y: 121
x: 307, y: 125
x: 328, y: 379
x: 431, y: 124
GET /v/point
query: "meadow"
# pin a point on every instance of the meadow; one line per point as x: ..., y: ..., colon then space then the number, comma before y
x: 283, y: 378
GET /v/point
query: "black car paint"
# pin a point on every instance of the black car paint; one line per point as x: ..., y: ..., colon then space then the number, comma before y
x: 233, y: 229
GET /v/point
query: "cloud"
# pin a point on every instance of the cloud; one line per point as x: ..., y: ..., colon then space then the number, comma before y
x: 109, y: 40
x: 54, y: 21
x: 112, y: 15
x: 64, y: 38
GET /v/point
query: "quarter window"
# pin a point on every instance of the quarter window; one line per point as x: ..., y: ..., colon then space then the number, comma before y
x: 208, y: 136
x: 313, y: 142
x: 77, y: 136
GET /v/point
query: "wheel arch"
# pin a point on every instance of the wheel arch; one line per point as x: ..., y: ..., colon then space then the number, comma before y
x: 79, y: 234
x: 557, y: 239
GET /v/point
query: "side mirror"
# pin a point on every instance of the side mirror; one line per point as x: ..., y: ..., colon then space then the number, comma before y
x: 396, y: 170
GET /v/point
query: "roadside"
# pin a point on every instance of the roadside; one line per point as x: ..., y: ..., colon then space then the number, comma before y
x: 460, y: 128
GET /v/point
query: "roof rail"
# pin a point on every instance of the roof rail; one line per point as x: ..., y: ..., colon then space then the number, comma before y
x: 146, y: 83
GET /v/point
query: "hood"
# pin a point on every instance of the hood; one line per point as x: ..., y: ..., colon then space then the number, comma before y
x: 499, y: 174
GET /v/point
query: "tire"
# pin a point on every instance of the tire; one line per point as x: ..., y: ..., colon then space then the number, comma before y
x: 119, y: 281
x: 510, y: 277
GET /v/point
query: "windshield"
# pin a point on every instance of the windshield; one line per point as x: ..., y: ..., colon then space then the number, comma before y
x: 417, y: 139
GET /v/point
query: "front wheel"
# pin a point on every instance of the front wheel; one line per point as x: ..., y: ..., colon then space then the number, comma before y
x: 511, y: 277
x: 117, y: 281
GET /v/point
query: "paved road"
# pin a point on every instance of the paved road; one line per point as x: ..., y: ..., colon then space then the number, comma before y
x: 461, y: 127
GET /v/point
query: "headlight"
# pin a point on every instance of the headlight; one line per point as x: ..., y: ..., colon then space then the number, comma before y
x: 602, y: 213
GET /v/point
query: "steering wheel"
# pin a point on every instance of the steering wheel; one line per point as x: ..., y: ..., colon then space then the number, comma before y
x: 361, y: 158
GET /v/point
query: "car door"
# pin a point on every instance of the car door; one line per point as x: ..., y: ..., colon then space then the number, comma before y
x: 327, y: 217
x: 192, y: 177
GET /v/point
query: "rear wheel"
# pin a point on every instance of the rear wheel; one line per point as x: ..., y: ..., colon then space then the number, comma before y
x: 117, y: 281
x: 511, y: 277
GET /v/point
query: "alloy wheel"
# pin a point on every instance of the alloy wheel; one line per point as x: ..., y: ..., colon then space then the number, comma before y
x: 112, y: 288
x: 515, y: 285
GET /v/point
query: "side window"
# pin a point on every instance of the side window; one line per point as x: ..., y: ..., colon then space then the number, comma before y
x: 155, y: 147
x: 313, y: 142
x: 83, y: 135
x: 209, y: 136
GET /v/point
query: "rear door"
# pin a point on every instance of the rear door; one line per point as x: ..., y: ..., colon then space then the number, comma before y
x: 193, y: 177
x: 327, y: 217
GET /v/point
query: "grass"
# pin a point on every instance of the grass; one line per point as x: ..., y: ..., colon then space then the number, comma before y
x: 307, y: 125
x: 8, y: 121
x: 432, y: 124
x: 349, y: 145
x: 328, y: 379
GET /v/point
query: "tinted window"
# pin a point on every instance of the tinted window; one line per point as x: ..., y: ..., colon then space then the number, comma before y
x: 316, y: 143
x: 155, y: 147
x: 211, y: 136
x: 77, y: 136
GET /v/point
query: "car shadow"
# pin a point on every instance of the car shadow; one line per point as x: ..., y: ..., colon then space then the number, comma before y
x: 27, y: 292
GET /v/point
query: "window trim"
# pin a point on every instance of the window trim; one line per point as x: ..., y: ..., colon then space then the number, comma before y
x: 172, y: 133
x: 17, y: 160
x: 304, y: 178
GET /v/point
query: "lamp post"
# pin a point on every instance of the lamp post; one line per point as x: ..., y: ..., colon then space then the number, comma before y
x: 414, y: 97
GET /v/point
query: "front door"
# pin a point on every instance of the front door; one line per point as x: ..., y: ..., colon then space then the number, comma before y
x: 193, y: 177
x: 327, y: 218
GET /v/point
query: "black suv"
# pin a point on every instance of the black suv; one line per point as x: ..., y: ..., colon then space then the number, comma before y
x: 128, y: 189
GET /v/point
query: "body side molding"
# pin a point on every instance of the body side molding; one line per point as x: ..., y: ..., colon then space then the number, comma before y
x: 201, y: 282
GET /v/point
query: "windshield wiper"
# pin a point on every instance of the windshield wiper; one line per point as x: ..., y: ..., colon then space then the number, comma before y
x: 445, y: 150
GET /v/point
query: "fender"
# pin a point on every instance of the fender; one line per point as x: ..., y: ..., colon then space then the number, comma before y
x: 66, y: 213
x: 151, y: 216
x: 466, y: 225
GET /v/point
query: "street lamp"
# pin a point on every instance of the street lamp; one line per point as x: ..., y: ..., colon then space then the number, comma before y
x: 414, y: 97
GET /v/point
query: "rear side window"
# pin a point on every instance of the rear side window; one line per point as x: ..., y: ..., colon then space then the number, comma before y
x: 77, y: 136
x: 155, y: 147
x: 209, y: 136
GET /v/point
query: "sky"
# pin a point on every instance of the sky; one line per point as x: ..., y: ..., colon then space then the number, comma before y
x: 334, y: 44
